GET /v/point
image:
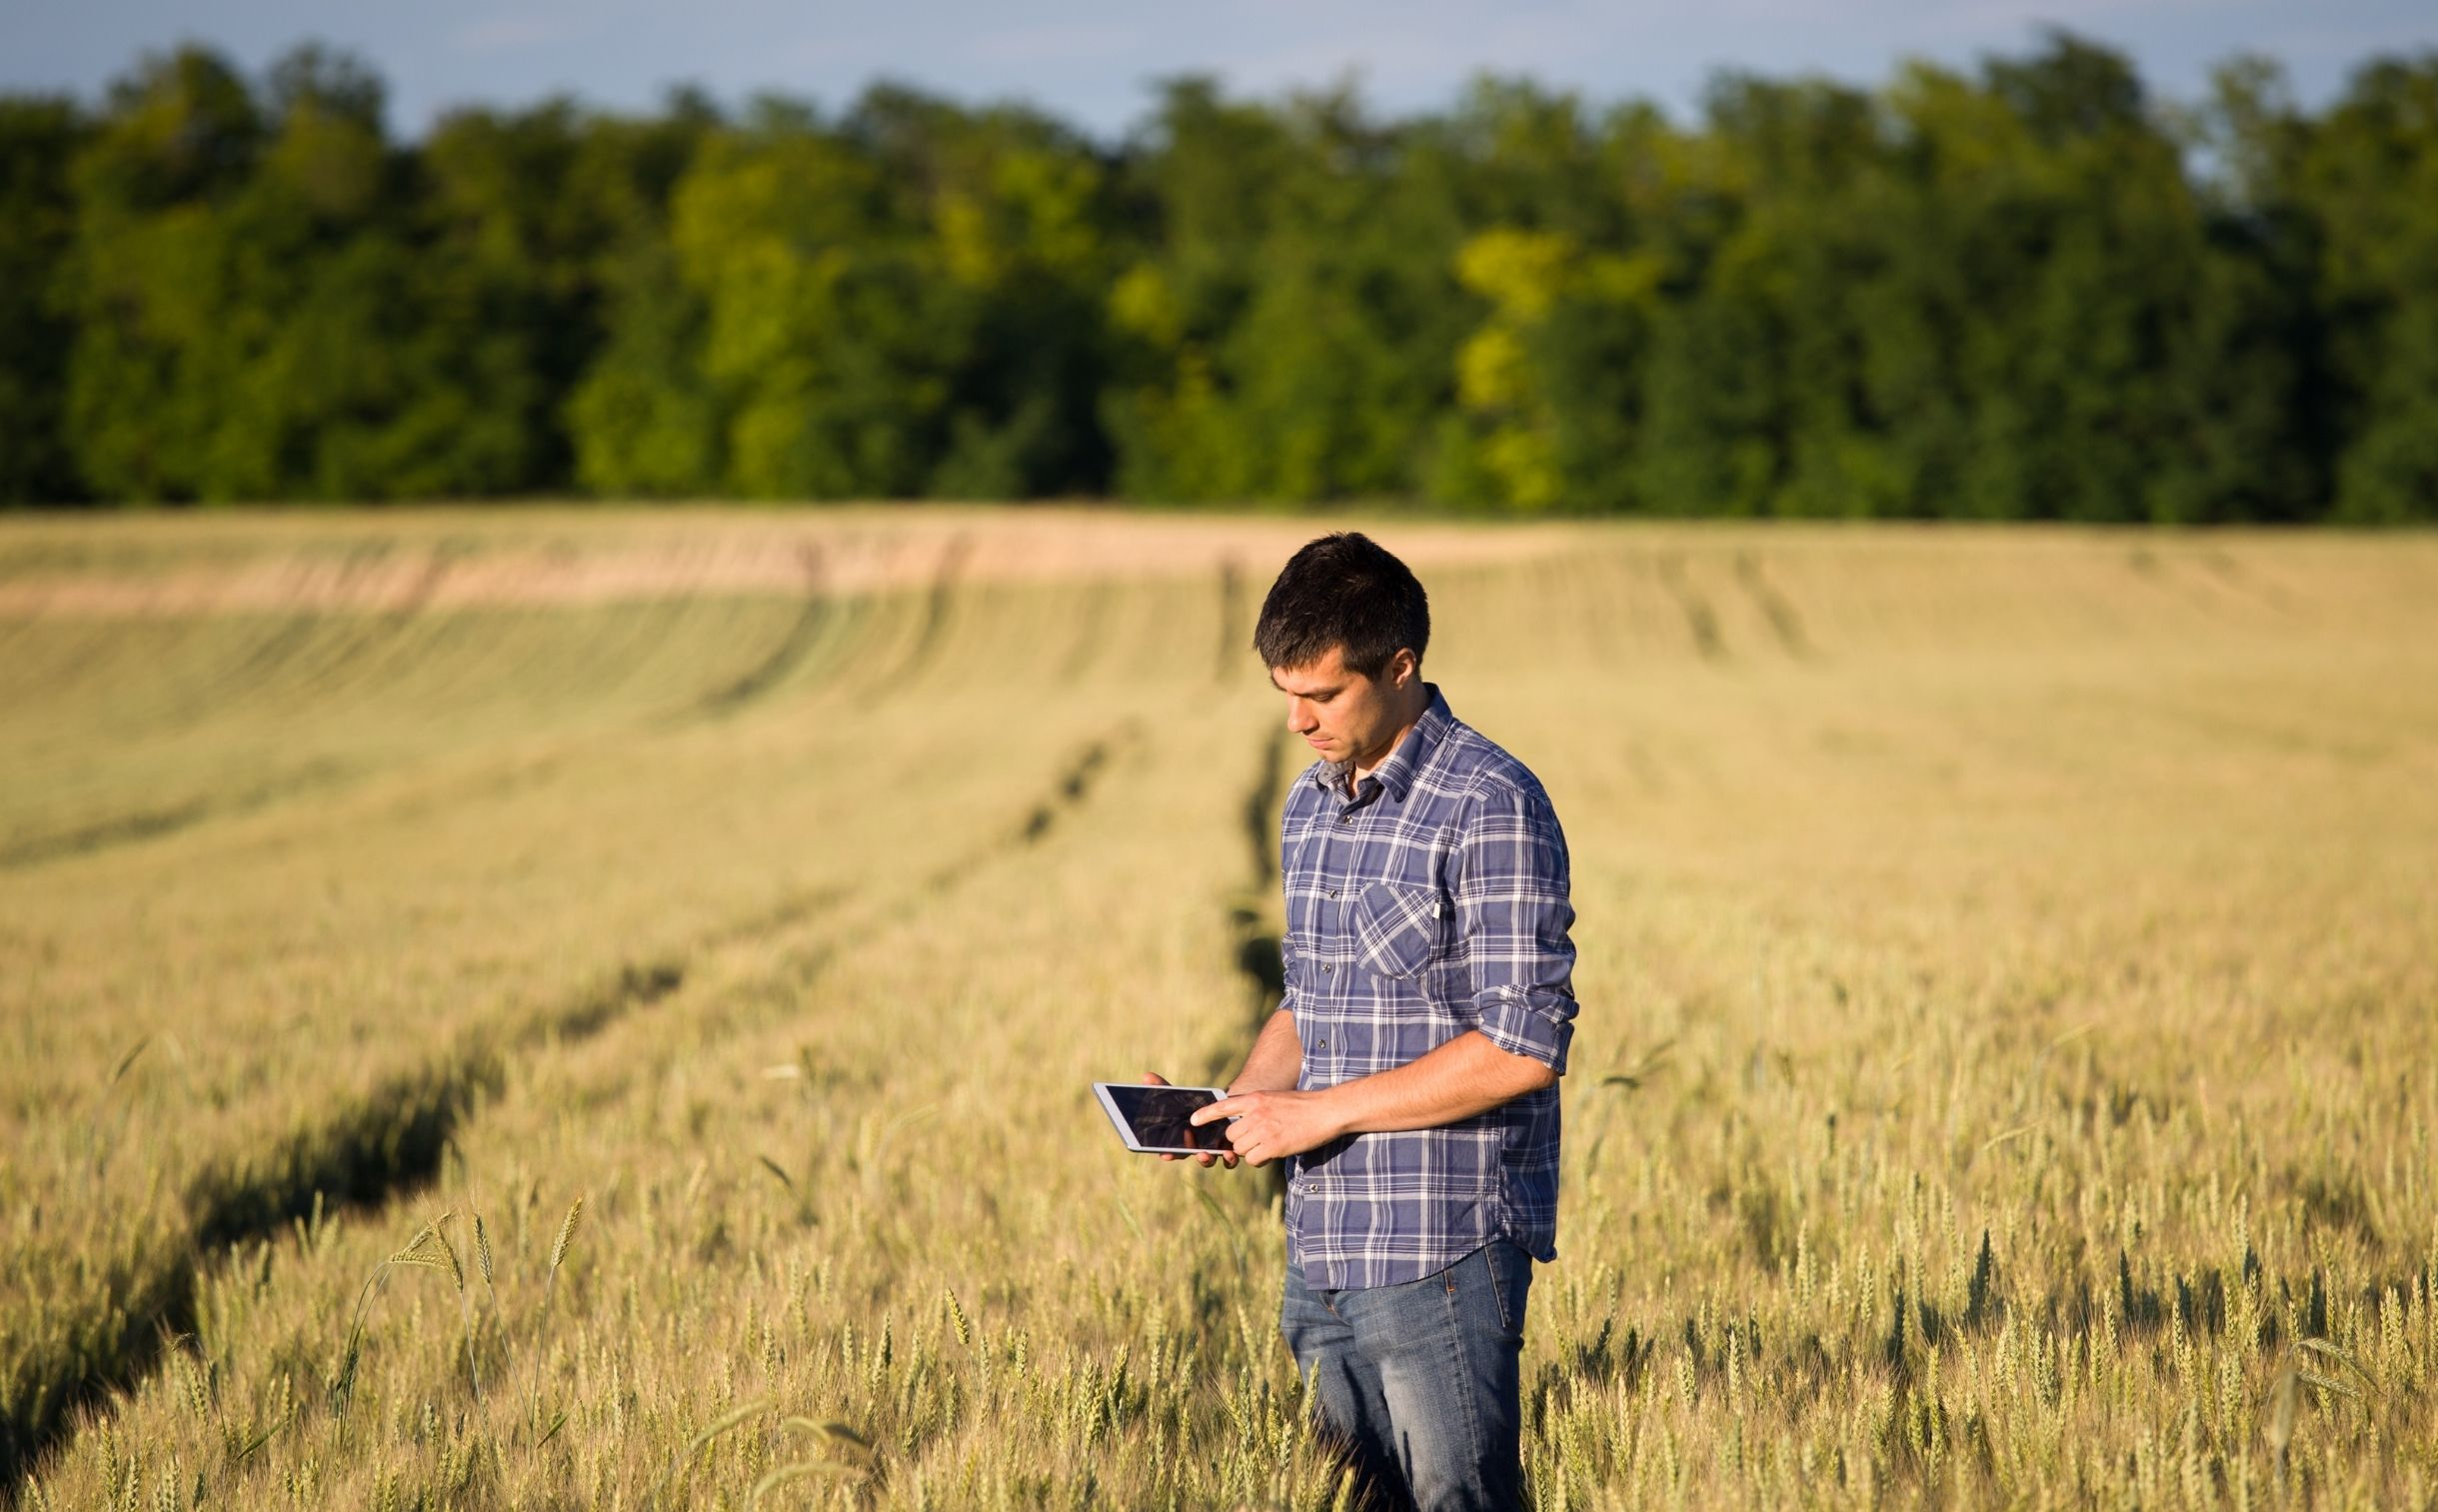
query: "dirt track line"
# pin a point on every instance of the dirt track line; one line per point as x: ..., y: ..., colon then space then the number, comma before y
x: 324, y: 776
x: 360, y: 1155
x: 1784, y: 623
x: 1259, y: 954
x: 1072, y: 789
x: 1231, y: 590
x: 363, y: 1154
x: 152, y: 824
x: 362, y: 636
x: 782, y: 658
x: 2224, y: 570
x: 937, y: 606
x: 1699, y: 616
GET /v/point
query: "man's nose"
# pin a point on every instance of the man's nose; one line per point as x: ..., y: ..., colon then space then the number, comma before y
x: 1299, y: 717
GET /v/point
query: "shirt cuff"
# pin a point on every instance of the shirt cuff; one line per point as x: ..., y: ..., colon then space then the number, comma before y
x: 1536, y: 1025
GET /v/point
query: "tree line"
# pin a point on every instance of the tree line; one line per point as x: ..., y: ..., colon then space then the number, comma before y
x: 2032, y: 290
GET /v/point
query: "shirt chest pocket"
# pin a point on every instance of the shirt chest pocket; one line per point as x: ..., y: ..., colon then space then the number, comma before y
x: 1398, y: 927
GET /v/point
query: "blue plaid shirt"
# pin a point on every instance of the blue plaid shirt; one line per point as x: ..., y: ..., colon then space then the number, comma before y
x: 1429, y: 903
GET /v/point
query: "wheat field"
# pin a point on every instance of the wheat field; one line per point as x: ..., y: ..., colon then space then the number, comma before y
x: 570, y: 1008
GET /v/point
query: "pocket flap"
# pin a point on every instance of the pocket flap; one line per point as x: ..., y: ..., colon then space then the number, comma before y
x: 1396, y: 927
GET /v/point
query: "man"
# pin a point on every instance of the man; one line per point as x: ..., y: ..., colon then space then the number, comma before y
x: 1409, y: 1076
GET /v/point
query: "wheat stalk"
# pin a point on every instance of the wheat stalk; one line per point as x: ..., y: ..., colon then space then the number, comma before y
x: 416, y: 1252
x: 550, y: 1289
x: 801, y: 1470
x: 856, y: 1446
x: 464, y: 1306
x: 440, y: 1233
x: 726, y: 1422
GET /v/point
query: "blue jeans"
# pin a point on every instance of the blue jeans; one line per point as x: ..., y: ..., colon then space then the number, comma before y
x: 1419, y: 1381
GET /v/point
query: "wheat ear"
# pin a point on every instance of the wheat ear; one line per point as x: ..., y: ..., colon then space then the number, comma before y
x: 550, y: 1289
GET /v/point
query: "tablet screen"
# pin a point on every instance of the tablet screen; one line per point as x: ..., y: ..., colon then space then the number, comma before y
x: 1156, y: 1116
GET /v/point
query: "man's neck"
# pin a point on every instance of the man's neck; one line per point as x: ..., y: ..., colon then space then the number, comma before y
x: 1363, y: 767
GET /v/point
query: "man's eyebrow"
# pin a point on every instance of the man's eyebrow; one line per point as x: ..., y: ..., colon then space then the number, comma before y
x: 1318, y: 693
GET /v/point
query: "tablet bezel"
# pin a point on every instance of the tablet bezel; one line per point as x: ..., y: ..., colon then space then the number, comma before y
x: 1126, y: 1131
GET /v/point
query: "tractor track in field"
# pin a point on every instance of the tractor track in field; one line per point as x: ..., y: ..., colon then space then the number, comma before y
x: 382, y: 1145
x: 939, y: 603
x: 152, y: 824
x: 32, y: 850
x: 1699, y: 618
x: 1260, y: 952
x: 323, y: 777
x: 320, y: 668
x: 389, y: 1144
x: 2213, y: 583
x: 1068, y: 792
x: 379, y: 630
x: 1231, y: 596
x: 271, y: 652
x: 1072, y: 789
x: 310, y: 647
x: 1776, y: 608
x: 782, y: 658
x: 289, y: 641
x: 2230, y: 576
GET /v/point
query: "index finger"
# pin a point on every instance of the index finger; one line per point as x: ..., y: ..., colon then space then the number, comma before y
x: 1211, y: 1110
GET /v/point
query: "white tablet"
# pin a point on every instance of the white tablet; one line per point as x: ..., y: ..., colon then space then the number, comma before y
x: 1151, y: 1118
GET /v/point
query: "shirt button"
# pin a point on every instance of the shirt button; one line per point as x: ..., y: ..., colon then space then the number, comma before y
x: 1332, y: 893
x: 1346, y: 818
x: 1325, y: 970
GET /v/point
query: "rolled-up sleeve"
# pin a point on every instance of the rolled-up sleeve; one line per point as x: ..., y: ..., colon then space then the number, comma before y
x: 1511, y: 900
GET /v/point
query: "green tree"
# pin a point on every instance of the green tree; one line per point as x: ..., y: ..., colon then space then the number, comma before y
x: 1016, y: 210
x: 2025, y: 290
x: 1290, y: 335
x: 2370, y: 175
x: 640, y: 417
x: 38, y: 139
x: 147, y: 283
x: 823, y: 336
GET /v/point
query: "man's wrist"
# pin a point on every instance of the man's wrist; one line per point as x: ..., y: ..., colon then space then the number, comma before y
x: 1336, y: 1102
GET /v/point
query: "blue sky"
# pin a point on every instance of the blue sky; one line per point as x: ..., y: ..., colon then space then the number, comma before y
x: 1089, y: 61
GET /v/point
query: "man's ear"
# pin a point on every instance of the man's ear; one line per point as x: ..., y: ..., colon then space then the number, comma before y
x: 1403, y: 668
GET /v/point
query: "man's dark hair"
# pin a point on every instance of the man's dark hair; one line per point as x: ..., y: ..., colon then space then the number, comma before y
x: 1343, y: 590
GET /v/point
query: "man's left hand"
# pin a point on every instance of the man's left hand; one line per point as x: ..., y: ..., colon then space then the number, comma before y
x: 1273, y: 1125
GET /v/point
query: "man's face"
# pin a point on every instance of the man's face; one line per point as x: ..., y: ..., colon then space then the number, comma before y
x: 1343, y: 714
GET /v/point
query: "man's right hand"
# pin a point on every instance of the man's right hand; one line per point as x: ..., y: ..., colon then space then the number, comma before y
x: 1153, y: 1078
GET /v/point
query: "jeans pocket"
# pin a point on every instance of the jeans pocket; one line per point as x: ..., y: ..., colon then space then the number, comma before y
x: 1511, y: 1281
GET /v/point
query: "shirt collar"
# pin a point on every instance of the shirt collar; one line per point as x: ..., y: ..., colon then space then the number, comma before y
x: 1395, y: 774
